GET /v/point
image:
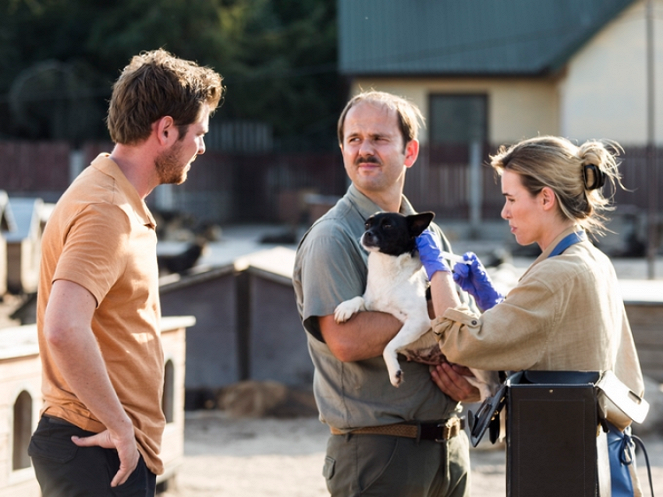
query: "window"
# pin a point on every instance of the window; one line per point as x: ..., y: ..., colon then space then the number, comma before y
x: 455, y: 121
x: 22, y: 431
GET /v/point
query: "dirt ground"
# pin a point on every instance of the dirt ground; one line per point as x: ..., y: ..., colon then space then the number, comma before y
x: 268, y: 457
x: 283, y: 458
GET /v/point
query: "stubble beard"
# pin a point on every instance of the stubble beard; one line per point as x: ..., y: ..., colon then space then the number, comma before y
x: 169, y: 166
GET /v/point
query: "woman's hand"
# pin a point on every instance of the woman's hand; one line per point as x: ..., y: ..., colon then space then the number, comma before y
x: 474, y: 279
x: 430, y: 254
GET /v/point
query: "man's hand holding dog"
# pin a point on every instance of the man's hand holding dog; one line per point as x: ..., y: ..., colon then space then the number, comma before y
x: 451, y: 379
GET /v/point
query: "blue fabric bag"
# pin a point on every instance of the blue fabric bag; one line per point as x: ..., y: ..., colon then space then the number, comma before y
x: 621, y: 452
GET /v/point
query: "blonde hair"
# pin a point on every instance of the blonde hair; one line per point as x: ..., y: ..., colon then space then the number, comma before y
x: 576, y: 174
x: 409, y: 115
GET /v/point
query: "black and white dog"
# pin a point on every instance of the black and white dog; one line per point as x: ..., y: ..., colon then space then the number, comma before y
x: 396, y: 284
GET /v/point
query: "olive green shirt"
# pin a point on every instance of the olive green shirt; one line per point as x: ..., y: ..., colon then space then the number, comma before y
x: 330, y: 267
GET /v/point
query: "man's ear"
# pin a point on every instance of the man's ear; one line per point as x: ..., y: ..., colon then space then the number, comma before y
x: 166, y: 131
x: 411, y: 152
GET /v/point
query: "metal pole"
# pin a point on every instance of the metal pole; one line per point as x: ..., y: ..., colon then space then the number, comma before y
x: 475, y: 187
x: 652, y: 216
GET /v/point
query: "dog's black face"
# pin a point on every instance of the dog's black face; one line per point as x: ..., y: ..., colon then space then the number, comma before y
x: 394, y: 234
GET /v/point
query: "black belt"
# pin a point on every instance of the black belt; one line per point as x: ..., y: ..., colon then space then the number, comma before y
x: 57, y: 421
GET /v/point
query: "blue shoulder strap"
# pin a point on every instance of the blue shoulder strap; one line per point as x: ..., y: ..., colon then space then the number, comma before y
x: 567, y: 241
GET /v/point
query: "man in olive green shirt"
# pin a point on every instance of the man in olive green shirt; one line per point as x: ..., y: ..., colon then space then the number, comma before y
x: 385, y: 441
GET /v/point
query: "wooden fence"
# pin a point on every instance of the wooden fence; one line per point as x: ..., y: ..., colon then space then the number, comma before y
x: 227, y: 187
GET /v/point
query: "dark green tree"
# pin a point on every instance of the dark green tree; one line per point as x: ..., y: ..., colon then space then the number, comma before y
x: 278, y: 59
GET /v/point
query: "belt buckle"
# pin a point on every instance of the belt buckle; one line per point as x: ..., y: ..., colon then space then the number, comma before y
x: 445, y: 431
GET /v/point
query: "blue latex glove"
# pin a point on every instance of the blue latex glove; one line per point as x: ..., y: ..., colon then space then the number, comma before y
x: 430, y: 254
x: 474, y: 280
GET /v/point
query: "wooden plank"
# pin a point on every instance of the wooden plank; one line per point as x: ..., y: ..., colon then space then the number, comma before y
x: 647, y: 337
x: 651, y: 357
x: 645, y: 315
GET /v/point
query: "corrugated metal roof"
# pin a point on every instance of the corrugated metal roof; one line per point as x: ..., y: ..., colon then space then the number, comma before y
x: 466, y: 37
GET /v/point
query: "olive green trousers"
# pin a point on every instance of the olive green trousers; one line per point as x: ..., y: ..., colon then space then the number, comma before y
x: 388, y: 466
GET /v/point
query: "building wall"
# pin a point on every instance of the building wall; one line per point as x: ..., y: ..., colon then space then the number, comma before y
x: 600, y: 93
x: 604, y: 92
x: 517, y: 108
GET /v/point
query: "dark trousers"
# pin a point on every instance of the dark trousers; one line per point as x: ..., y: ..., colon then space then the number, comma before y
x: 65, y: 470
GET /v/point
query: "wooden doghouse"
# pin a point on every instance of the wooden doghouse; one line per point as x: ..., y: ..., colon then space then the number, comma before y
x: 276, y: 346
x: 643, y: 300
x: 7, y: 225
x: 173, y: 338
x: 247, y: 325
x: 21, y: 399
x: 24, y: 244
x: 212, y: 346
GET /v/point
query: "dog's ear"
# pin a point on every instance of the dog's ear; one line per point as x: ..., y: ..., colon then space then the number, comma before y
x: 417, y: 223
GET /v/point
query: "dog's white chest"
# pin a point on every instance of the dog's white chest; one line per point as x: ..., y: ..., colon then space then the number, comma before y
x: 396, y: 285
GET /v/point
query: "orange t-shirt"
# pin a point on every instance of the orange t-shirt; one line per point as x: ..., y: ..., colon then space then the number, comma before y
x: 101, y: 236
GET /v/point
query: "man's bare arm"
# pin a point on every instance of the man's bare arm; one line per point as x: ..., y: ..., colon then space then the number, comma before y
x: 363, y: 336
x: 68, y: 332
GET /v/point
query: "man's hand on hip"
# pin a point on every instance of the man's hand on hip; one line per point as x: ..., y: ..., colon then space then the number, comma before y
x: 125, y: 445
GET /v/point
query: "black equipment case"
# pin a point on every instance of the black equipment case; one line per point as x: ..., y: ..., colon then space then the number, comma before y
x: 556, y: 444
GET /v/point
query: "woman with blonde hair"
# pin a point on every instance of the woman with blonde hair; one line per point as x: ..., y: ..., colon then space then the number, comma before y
x: 566, y: 312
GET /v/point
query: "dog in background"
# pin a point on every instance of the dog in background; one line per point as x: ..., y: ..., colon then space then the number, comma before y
x: 182, y: 261
x: 397, y: 284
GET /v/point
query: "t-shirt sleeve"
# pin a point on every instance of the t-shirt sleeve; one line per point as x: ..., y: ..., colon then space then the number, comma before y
x: 332, y: 272
x: 92, y: 254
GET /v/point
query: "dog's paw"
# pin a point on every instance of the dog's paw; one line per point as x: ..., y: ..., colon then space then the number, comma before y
x: 397, y: 378
x: 345, y: 310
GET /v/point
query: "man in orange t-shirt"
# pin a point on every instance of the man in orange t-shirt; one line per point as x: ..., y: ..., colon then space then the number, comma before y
x: 98, y: 303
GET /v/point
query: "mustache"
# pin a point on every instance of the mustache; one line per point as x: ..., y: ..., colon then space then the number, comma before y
x: 370, y: 159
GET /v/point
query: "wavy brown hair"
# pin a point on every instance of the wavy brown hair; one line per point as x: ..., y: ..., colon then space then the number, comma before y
x: 156, y: 84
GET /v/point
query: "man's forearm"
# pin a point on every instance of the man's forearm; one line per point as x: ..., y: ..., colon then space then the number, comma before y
x: 79, y: 360
x: 363, y: 336
x: 68, y: 333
